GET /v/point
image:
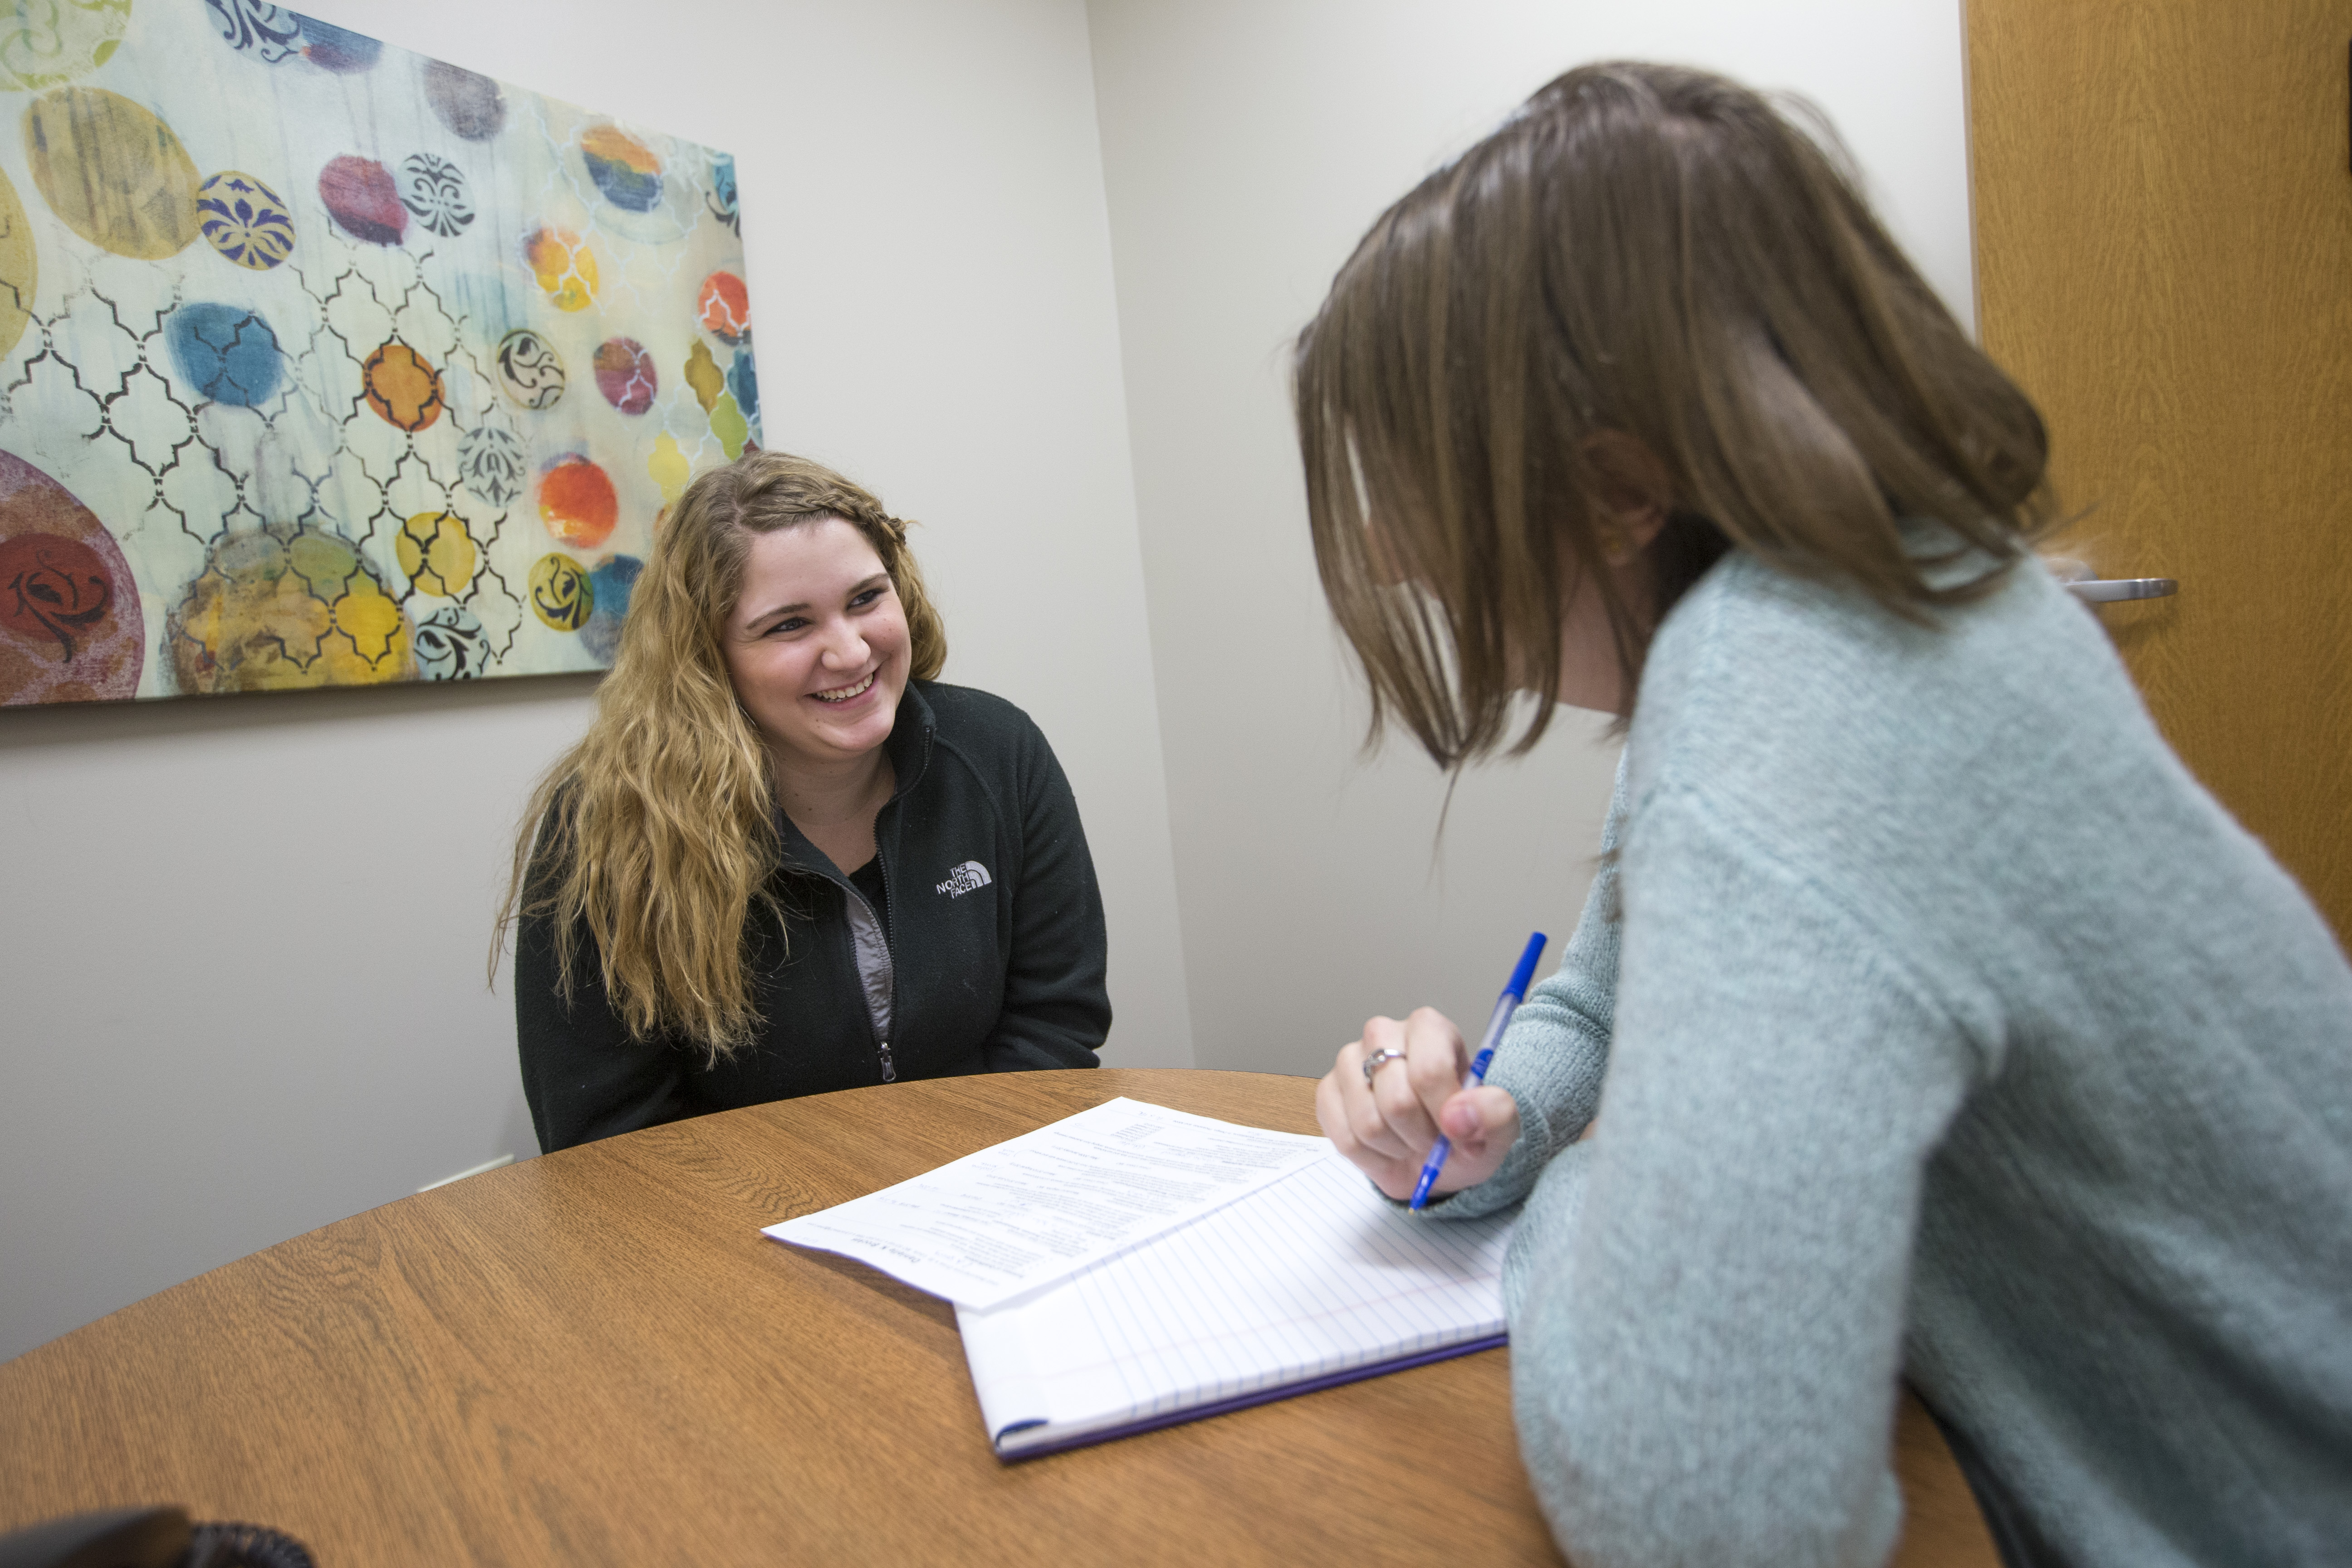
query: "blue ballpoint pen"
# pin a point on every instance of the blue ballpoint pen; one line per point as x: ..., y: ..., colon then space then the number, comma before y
x: 1505, y: 1006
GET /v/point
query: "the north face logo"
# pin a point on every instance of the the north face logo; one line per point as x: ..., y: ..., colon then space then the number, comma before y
x: 965, y: 878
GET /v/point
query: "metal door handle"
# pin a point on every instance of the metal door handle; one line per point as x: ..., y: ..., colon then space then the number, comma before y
x: 2112, y: 590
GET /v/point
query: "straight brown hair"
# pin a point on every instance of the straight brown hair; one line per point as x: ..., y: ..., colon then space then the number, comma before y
x: 655, y: 836
x: 1650, y: 253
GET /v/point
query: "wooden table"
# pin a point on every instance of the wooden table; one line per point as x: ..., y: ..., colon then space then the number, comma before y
x: 595, y: 1358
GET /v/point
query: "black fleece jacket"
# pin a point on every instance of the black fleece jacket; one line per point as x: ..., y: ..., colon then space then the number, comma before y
x: 987, y: 955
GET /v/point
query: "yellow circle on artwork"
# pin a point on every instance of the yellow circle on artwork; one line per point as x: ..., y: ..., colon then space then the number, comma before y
x: 561, y: 593
x: 564, y: 267
x: 703, y: 374
x: 435, y: 553
x: 113, y: 173
x: 377, y: 631
x: 45, y: 43
x: 668, y: 467
x: 728, y: 424
x: 276, y: 608
x: 19, y: 267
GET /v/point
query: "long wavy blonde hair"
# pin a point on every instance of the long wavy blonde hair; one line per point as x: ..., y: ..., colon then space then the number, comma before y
x: 653, y: 838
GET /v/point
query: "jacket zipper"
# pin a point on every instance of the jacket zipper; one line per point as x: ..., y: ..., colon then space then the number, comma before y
x: 889, y: 948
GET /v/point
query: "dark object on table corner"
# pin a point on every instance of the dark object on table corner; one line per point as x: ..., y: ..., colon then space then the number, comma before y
x: 148, y: 1538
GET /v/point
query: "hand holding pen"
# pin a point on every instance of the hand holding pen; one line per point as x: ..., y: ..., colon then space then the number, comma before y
x: 1411, y: 1086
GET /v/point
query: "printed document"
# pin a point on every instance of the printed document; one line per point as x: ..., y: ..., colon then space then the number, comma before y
x: 1035, y: 1209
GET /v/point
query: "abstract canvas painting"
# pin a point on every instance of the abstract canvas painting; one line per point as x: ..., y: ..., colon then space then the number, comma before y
x: 322, y: 362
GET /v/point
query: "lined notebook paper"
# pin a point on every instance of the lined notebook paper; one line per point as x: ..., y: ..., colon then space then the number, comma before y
x: 1311, y: 1281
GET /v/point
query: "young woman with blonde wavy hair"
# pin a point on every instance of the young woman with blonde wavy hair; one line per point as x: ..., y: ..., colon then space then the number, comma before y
x: 1927, y: 1021
x: 786, y: 858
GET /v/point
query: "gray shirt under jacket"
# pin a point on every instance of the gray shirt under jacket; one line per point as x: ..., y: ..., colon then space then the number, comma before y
x: 1941, y: 1027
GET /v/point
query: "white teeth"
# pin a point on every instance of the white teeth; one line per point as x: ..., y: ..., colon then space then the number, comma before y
x: 847, y: 692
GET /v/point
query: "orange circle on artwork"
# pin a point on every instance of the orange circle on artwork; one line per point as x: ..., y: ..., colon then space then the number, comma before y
x: 724, y: 310
x: 577, y: 503
x: 402, y: 387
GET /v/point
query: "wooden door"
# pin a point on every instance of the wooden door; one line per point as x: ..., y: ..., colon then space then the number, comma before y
x: 2164, y: 260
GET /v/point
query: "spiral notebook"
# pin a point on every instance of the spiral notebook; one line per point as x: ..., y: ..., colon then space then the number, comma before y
x: 1313, y: 1281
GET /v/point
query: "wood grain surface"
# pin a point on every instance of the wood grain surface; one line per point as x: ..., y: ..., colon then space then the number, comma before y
x: 595, y: 1357
x: 2163, y: 206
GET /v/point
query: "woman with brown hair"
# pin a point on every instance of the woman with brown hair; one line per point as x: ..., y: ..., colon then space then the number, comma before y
x: 1927, y: 1019
x: 786, y: 858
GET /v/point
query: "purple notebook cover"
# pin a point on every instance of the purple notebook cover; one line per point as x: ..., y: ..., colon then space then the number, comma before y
x: 1243, y: 1401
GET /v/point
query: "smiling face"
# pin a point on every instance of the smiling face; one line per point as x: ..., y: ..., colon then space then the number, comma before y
x: 816, y: 645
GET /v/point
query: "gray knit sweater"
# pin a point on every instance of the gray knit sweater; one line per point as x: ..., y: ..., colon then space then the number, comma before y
x: 1941, y: 1027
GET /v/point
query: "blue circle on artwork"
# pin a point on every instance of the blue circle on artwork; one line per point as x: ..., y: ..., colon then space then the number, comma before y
x: 628, y: 171
x: 632, y: 190
x: 228, y: 354
x: 338, y: 49
x: 745, y: 383
x: 725, y: 206
x: 613, y: 579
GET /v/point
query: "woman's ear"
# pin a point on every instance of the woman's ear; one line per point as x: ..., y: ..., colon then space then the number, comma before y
x: 1634, y: 492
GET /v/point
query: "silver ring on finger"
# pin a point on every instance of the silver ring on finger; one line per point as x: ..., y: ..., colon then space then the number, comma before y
x: 1380, y: 1059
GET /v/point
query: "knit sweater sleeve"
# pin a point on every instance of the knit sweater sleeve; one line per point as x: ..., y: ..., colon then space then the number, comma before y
x: 1557, y: 1048
x: 1708, y: 1296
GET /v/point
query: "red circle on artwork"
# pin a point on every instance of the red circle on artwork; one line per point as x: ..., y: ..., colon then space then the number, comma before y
x: 54, y: 591
x: 364, y: 198
x: 577, y: 502
x: 724, y: 308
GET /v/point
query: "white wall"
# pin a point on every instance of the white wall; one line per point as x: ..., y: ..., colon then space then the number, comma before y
x: 241, y: 941
x: 1248, y: 144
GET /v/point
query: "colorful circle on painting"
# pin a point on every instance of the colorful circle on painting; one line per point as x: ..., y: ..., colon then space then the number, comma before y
x: 361, y: 194
x: 48, y: 45
x: 225, y: 354
x: 624, y: 375
x: 338, y: 49
x: 623, y: 168
x: 54, y: 588
x: 577, y: 502
x: 613, y: 581
x: 286, y: 607
x: 724, y: 205
x: 703, y: 374
x: 724, y: 308
x: 72, y: 629
x: 402, y: 387
x: 491, y: 463
x: 564, y: 267
x: 20, y: 267
x: 113, y: 171
x: 266, y: 31
x: 468, y: 103
x: 435, y: 553
x: 561, y: 593
x: 434, y: 190
x: 529, y: 370
x: 245, y: 220
x: 743, y: 382
x: 452, y: 646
